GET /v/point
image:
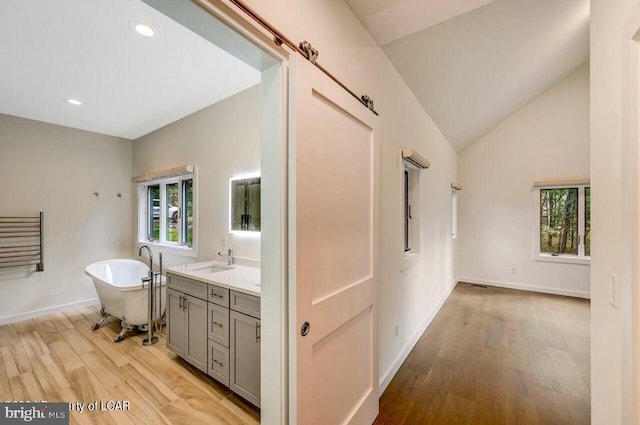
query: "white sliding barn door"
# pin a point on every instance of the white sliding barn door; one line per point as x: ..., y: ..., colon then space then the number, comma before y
x: 333, y: 252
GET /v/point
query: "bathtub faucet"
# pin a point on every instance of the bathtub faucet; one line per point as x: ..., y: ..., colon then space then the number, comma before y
x: 148, y: 279
x: 150, y: 340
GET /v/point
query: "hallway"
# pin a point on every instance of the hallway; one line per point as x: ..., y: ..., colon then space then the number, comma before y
x: 496, y: 356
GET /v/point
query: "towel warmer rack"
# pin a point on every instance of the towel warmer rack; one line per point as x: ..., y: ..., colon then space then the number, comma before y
x: 21, y: 242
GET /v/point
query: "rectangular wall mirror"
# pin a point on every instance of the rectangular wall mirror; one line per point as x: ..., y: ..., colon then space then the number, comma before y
x: 245, y: 204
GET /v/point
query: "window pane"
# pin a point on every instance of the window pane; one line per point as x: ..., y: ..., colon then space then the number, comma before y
x: 153, y: 204
x: 187, y: 220
x: 406, y: 211
x: 587, y: 221
x: 559, y: 221
x: 172, y: 212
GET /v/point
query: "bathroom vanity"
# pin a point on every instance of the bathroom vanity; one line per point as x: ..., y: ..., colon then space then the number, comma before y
x: 213, y: 322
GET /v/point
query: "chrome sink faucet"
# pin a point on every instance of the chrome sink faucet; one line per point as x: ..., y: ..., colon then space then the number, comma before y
x: 228, y: 256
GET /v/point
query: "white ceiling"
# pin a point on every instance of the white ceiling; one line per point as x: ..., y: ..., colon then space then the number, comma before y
x: 485, y: 62
x: 129, y: 85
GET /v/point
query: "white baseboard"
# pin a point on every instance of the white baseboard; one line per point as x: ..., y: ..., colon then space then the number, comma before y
x: 46, y: 311
x: 525, y: 287
x: 399, y: 360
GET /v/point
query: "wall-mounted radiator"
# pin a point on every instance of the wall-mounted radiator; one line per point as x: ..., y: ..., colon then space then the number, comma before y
x: 21, y: 242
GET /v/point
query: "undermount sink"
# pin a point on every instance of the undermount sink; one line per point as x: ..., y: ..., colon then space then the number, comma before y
x: 210, y: 269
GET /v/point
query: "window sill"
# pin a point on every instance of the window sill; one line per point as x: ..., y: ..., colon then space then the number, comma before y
x: 567, y: 259
x: 183, y: 251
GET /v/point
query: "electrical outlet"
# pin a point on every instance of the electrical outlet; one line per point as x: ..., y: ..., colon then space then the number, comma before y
x: 514, y: 270
x: 614, y: 290
x: 397, y: 329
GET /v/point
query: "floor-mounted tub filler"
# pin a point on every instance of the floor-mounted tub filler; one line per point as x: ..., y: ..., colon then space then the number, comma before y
x: 123, y: 294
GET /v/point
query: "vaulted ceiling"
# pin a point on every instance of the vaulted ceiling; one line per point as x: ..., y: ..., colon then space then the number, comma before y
x: 473, y: 63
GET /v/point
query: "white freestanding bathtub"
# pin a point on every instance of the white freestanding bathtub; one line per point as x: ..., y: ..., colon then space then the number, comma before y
x: 122, y: 293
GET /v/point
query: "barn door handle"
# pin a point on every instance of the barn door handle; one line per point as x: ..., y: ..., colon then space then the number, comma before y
x: 304, y: 330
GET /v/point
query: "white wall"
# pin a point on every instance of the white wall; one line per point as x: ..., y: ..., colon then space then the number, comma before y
x: 223, y: 141
x: 411, y: 297
x: 56, y: 169
x: 608, y: 178
x: 548, y: 139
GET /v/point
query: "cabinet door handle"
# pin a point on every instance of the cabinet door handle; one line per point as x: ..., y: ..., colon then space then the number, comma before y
x: 184, y: 304
x: 217, y: 324
x: 217, y: 362
x: 180, y: 305
x: 257, y: 332
x: 213, y: 294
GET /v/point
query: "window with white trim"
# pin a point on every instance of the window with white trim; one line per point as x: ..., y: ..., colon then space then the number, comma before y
x: 454, y: 212
x: 166, y: 211
x: 411, y: 209
x: 563, y: 231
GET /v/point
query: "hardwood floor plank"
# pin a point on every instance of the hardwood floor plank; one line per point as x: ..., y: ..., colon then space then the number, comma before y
x: 46, y: 381
x: 457, y: 410
x: 18, y: 391
x: 73, y: 315
x: 569, y: 377
x: 4, y: 379
x: 551, y: 407
x: 8, y: 336
x: 543, y: 373
x: 21, y: 358
x: 32, y: 387
x: 142, y: 410
x: 23, y: 327
x: 110, y: 349
x: 61, y: 322
x: 247, y: 414
x: 56, y: 372
x: 10, y: 365
x: 47, y: 331
x: 77, y: 341
x: 398, y: 403
x: 579, y: 410
x: 144, y: 381
x: 102, y: 367
x: 65, y: 356
x: 521, y: 411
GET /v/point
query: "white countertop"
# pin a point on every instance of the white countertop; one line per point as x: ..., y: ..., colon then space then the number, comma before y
x: 236, y: 277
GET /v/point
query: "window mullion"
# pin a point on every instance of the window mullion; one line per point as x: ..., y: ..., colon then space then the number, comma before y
x: 163, y: 212
x: 180, y: 222
x: 581, y: 208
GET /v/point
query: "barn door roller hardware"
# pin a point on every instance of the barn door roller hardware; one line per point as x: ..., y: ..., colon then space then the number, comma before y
x: 304, y: 48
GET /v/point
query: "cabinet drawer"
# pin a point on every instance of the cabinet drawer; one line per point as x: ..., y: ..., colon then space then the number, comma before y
x: 219, y: 324
x: 244, y: 303
x: 219, y: 295
x: 188, y: 286
x: 219, y: 362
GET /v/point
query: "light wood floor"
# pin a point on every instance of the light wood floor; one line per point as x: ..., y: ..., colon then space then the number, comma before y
x: 496, y: 356
x: 59, y: 358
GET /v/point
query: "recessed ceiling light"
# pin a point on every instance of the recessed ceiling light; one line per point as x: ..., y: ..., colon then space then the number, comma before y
x: 144, y: 30
x: 74, y: 102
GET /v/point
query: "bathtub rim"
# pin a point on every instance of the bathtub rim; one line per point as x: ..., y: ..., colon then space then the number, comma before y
x: 132, y: 287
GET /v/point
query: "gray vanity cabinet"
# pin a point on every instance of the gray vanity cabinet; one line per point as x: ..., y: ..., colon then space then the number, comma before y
x: 244, y: 342
x: 218, y: 331
x: 187, y: 326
